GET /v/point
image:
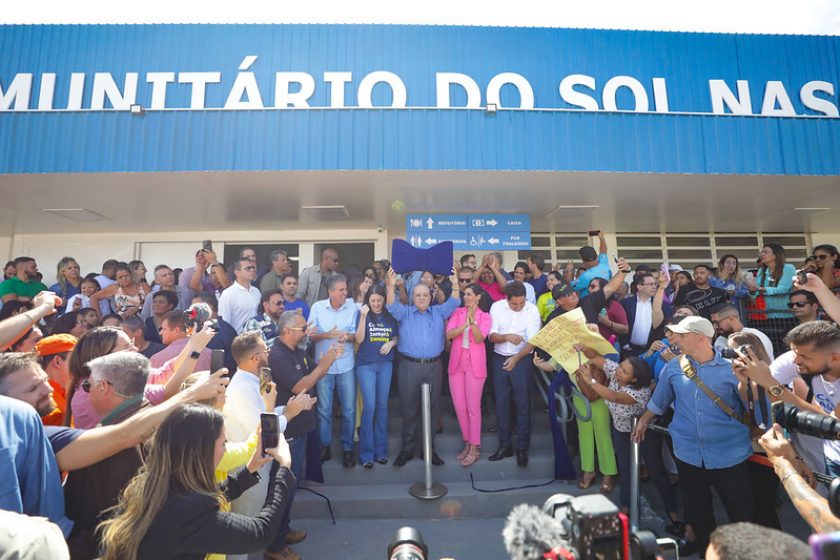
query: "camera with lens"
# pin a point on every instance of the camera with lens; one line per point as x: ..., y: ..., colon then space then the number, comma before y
x: 408, y: 544
x: 197, y: 315
x: 805, y: 422
x: 732, y: 353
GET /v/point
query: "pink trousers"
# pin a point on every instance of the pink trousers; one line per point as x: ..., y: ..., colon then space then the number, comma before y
x: 466, y: 389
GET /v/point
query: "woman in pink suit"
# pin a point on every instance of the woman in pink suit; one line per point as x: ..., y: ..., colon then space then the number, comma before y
x: 467, y: 328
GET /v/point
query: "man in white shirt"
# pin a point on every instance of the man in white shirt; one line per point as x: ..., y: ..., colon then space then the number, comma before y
x: 240, y: 301
x: 727, y: 320
x: 243, y: 405
x: 514, y: 322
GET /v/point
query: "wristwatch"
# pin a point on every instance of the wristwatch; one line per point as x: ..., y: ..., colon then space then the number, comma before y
x: 195, y: 355
x: 594, y: 381
x: 775, y: 391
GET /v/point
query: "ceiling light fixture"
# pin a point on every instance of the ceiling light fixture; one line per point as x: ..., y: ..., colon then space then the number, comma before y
x: 572, y: 207
x: 76, y: 214
x: 815, y: 209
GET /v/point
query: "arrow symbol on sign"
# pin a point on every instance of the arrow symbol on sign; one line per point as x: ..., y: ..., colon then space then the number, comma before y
x: 430, y: 222
x: 492, y: 241
x: 492, y: 223
x: 431, y: 241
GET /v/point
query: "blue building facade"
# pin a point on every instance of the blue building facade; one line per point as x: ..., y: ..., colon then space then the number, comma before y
x: 163, y: 98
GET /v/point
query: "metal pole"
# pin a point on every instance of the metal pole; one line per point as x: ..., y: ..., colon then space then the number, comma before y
x: 428, y: 489
x: 634, y: 480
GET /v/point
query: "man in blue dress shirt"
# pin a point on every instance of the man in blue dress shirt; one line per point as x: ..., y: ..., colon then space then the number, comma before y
x: 710, y: 446
x: 420, y: 346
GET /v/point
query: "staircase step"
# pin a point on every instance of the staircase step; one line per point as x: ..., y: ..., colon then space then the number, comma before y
x: 540, y: 467
x: 393, y: 501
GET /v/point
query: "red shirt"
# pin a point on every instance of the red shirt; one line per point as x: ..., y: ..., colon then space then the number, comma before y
x: 492, y: 290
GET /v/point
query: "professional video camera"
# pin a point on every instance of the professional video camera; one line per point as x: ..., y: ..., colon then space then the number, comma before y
x: 580, y: 528
x: 408, y: 544
x: 805, y: 422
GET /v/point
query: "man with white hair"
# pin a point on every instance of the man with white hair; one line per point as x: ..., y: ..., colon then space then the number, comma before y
x: 421, y: 329
x: 116, y: 385
x: 711, y: 444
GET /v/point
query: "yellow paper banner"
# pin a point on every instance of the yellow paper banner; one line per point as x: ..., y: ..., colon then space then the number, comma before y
x: 559, y: 337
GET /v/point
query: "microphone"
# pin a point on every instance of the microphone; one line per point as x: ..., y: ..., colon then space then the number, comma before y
x: 529, y: 533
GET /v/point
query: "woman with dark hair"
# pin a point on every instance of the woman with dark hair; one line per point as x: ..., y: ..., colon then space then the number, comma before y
x: 612, y: 320
x: 467, y: 328
x: 173, y: 507
x: 546, y: 302
x: 376, y: 335
x: 14, y: 307
x: 828, y: 264
x: 774, y: 280
x: 627, y: 393
x: 9, y: 270
x: 128, y: 295
x: 358, y: 288
x: 93, y: 344
x: 735, y: 282
x: 70, y: 323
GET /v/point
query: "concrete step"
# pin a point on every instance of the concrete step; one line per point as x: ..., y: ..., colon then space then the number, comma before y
x: 540, y: 467
x: 393, y: 501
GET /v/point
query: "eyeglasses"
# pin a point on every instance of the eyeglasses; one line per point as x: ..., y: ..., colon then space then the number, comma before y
x: 86, y: 384
x: 281, y: 303
x: 799, y: 304
x: 464, y: 280
x: 371, y: 276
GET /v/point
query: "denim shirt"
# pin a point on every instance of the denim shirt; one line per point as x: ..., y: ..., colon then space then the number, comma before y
x: 31, y: 481
x: 345, y: 319
x: 702, y: 433
x: 421, y: 334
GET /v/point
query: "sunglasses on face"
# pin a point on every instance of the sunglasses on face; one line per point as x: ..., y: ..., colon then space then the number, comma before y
x: 820, y: 257
x: 278, y: 303
x: 464, y: 280
x: 87, y: 384
x: 799, y: 304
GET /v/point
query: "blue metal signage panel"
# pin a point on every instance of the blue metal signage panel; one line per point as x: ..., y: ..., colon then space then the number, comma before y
x: 476, y: 232
x: 378, y: 97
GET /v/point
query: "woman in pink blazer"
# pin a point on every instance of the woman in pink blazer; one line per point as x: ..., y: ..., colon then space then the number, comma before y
x: 466, y: 330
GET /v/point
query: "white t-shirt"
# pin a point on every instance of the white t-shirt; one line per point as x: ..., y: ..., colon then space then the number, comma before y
x: 813, y: 450
x: 643, y: 324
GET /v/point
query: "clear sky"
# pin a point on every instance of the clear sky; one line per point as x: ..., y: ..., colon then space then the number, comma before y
x: 742, y: 16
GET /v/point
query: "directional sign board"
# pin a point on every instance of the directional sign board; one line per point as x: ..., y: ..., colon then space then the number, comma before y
x: 470, y: 232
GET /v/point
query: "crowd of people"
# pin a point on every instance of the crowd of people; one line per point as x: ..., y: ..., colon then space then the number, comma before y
x: 93, y: 365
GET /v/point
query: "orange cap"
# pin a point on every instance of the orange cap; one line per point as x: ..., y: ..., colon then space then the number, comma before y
x: 55, y: 344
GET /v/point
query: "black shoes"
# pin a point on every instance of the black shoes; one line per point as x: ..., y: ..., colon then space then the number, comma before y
x: 522, y: 457
x: 502, y: 453
x: 436, y: 460
x: 326, y: 454
x: 382, y: 460
x: 368, y: 465
x: 348, y: 460
x: 403, y: 458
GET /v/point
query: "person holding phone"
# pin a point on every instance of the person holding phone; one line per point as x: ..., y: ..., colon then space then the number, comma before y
x: 595, y: 265
x: 171, y: 509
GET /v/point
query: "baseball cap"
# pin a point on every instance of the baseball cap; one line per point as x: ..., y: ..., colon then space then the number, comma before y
x: 561, y: 290
x: 675, y: 268
x: 588, y: 254
x: 55, y: 344
x: 699, y: 325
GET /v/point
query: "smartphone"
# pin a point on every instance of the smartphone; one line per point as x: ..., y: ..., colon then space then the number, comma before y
x: 594, y: 232
x: 675, y: 350
x: 801, y: 277
x: 265, y: 378
x: 207, y: 245
x: 270, y: 431
x: 826, y: 546
x: 217, y: 360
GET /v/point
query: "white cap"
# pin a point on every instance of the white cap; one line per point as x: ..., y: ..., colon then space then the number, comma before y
x: 693, y: 324
x: 675, y: 268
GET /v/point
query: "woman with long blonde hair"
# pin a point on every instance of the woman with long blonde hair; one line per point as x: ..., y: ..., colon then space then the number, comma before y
x: 68, y: 281
x: 172, y: 508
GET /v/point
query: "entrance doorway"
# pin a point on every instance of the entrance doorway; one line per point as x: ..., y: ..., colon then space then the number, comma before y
x: 352, y: 257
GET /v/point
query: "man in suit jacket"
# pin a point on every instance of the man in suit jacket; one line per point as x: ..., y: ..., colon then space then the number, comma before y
x: 646, y: 314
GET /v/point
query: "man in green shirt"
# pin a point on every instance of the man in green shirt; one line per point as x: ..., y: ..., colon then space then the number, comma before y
x: 24, y: 285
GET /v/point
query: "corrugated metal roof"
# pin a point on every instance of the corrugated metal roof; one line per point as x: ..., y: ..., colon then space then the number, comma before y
x: 421, y: 136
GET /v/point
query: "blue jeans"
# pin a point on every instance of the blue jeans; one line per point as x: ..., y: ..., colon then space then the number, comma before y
x: 375, y: 384
x: 346, y: 385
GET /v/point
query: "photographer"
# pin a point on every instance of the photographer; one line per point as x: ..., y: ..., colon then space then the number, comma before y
x: 798, y: 482
x: 815, y: 350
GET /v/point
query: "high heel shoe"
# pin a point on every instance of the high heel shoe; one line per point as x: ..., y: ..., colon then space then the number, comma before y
x: 460, y: 456
x: 586, y: 480
x: 607, y: 484
x: 471, y: 456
